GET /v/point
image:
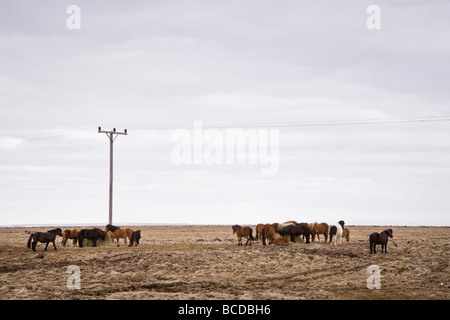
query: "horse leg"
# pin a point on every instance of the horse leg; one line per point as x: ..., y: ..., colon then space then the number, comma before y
x: 46, y: 245
x: 33, y: 245
x: 95, y: 242
x: 54, y: 245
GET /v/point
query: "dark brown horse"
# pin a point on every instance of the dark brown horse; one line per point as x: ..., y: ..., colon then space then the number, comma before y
x: 296, y: 231
x: 243, y: 232
x: 44, y: 237
x: 135, y: 237
x: 91, y: 234
x: 380, y: 238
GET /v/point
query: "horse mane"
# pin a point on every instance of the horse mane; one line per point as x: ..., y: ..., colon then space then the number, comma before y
x: 112, y: 228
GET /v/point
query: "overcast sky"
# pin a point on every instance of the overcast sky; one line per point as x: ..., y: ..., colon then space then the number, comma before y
x: 155, y: 67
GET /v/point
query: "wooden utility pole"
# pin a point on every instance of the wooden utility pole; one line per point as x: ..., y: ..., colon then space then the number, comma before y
x: 112, y: 135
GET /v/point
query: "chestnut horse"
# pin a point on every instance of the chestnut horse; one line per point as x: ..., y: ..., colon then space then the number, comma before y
x: 243, y: 232
x: 319, y: 228
x: 267, y: 233
x: 70, y: 234
x: 279, y: 240
x: 259, y: 228
x: 120, y: 233
x: 346, y: 234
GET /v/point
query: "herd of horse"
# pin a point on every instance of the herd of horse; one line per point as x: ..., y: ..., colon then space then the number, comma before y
x: 78, y: 235
x: 281, y: 233
x: 275, y: 233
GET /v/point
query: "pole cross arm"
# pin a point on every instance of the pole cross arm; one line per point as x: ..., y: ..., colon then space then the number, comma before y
x: 113, y: 132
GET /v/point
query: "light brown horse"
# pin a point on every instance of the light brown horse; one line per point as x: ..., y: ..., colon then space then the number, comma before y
x: 346, y: 234
x: 120, y: 233
x: 279, y: 240
x: 259, y: 228
x: 267, y: 234
x: 320, y: 228
x: 112, y: 236
x: 70, y: 234
x: 243, y: 232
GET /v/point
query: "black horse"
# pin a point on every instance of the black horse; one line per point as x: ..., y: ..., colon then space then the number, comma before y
x: 91, y: 234
x: 44, y: 237
x: 380, y: 238
x: 135, y: 237
x: 296, y: 231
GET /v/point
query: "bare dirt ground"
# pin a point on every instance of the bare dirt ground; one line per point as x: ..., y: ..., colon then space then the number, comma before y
x: 204, y: 262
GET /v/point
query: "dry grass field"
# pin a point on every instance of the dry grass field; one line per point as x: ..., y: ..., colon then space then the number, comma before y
x: 204, y: 262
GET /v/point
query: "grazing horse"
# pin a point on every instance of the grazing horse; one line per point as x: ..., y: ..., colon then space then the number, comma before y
x: 259, y: 228
x: 44, y: 237
x: 243, y: 232
x: 120, y: 233
x: 380, y: 238
x: 91, y: 234
x: 112, y: 236
x: 70, y: 234
x: 135, y: 237
x: 267, y: 233
x: 279, y: 240
x: 346, y: 234
x: 320, y: 228
x: 296, y: 230
x: 337, y: 231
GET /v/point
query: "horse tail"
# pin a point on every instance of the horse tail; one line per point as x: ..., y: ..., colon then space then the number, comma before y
x: 263, y: 235
x: 29, y: 241
x: 251, y: 234
x: 80, y: 240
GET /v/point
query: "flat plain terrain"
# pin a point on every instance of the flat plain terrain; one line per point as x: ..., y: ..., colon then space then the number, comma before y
x: 204, y: 262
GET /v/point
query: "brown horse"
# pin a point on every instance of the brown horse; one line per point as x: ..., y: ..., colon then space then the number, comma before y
x: 120, y: 233
x: 70, y: 234
x: 346, y: 234
x: 259, y: 228
x: 320, y: 228
x: 267, y: 234
x: 112, y: 236
x: 243, y: 232
x: 279, y: 240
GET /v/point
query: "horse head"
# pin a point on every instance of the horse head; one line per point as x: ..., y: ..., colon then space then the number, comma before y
x: 389, y: 232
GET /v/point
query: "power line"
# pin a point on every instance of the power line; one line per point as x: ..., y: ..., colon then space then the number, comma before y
x: 63, y: 133
x: 302, y: 123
